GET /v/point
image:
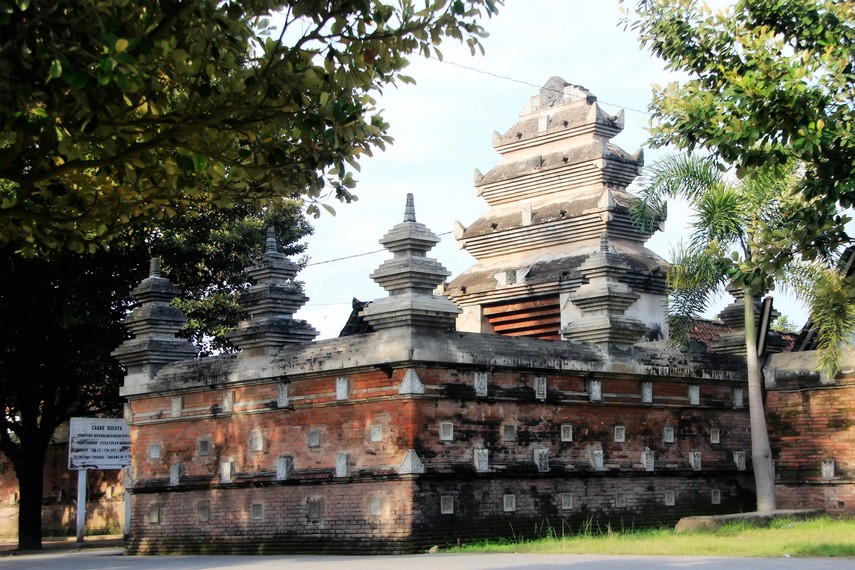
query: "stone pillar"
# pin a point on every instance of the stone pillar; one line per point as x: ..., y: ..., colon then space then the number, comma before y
x: 153, y: 324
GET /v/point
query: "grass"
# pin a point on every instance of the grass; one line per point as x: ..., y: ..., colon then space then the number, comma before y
x: 821, y: 536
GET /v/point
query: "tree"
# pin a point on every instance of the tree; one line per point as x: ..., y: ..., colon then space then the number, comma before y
x: 116, y: 112
x: 769, y: 81
x: 727, y: 248
x: 62, y: 317
x: 784, y: 324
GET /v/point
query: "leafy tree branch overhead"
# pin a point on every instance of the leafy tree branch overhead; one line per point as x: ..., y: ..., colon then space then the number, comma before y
x: 62, y: 317
x: 768, y: 81
x: 117, y: 111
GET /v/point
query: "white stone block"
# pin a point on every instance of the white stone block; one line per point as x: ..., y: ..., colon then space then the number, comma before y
x: 566, y: 433
x: 694, y: 395
x: 411, y: 464
x: 481, y: 381
x: 342, y: 388
x: 341, y: 460
x: 541, y: 459
x: 540, y: 387
x: 509, y: 503
x: 284, y: 464
x: 446, y: 431
x: 647, y: 392
x: 283, y: 395
x: 411, y: 384
x: 482, y: 460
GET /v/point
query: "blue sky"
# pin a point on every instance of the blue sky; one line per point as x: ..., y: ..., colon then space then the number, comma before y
x: 443, y: 130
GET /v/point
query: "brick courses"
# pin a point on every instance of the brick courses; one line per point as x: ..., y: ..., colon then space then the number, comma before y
x: 810, y: 421
x: 410, y: 518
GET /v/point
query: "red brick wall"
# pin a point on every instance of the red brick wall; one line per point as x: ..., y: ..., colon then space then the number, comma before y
x: 811, y: 422
x: 410, y: 517
x: 345, y: 524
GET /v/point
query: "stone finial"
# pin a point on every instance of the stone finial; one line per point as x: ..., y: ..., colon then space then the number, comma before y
x: 270, y: 244
x: 603, y: 301
x: 154, y: 267
x: 271, y: 303
x: 410, y: 209
x: 410, y: 277
x: 153, y: 324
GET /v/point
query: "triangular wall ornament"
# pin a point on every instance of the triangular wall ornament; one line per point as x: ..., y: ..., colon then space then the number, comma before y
x: 411, y: 464
x: 411, y: 384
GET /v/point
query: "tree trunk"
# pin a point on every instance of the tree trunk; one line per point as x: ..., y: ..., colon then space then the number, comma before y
x: 30, y: 472
x: 761, y: 452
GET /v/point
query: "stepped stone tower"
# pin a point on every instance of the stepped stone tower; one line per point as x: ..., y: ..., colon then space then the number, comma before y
x: 153, y: 324
x: 271, y: 303
x: 561, y: 185
x: 410, y: 278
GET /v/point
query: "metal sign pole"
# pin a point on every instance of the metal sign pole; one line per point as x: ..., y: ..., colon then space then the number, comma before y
x: 127, y: 483
x: 81, y: 504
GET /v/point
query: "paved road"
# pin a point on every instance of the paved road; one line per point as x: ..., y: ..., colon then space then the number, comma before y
x: 112, y: 559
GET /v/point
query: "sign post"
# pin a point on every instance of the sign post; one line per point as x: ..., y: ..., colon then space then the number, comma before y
x: 96, y: 443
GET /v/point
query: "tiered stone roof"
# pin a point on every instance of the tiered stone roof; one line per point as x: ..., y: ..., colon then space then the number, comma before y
x: 603, y: 301
x: 559, y: 186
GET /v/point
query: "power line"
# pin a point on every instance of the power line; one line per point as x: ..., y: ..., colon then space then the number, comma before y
x: 358, y: 254
x: 529, y: 84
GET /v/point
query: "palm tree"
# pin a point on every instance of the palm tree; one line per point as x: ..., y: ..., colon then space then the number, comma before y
x: 727, y: 247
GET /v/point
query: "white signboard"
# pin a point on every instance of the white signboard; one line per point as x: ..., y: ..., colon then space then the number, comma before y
x: 99, y: 443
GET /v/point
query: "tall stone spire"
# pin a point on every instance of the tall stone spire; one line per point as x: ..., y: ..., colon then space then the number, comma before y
x: 410, y: 278
x: 271, y: 303
x: 154, y: 323
x: 603, y: 301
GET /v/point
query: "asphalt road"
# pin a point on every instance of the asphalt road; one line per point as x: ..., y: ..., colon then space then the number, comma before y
x: 112, y: 559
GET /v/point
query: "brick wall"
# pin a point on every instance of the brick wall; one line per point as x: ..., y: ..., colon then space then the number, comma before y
x: 812, y: 432
x: 346, y: 436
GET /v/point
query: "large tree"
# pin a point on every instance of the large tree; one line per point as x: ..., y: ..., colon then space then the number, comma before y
x: 115, y: 112
x: 61, y: 318
x: 767, y: 81
x: 726, y: 247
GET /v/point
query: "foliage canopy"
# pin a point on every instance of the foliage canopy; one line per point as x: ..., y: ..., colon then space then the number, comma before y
x: 114, y: 112
x: 62, y: 317
x: 769, y: 81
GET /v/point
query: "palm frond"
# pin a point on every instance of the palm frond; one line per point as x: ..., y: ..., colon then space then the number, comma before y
x: 826, y: 291
x: 720, y: 216
x: 693, y: 278
x: 675, y: 176
x: 833, y: 315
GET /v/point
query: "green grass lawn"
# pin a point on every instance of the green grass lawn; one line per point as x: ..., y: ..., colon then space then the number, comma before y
x: 822, y: 536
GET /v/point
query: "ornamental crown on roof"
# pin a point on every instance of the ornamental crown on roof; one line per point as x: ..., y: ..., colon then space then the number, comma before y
x: 559, y: 187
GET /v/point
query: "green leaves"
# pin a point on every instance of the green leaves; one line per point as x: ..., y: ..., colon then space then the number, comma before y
x: 125, y: 111
x: 767, y: 83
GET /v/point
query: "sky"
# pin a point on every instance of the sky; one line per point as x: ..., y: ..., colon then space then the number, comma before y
x: 443, y: 128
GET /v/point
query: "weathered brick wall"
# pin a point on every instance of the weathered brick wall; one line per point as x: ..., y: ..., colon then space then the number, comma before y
x: 812, y: 432
x: 368, y: 506
x: 105, y: 511
x: 567, y: 504
x: 297, y: 516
